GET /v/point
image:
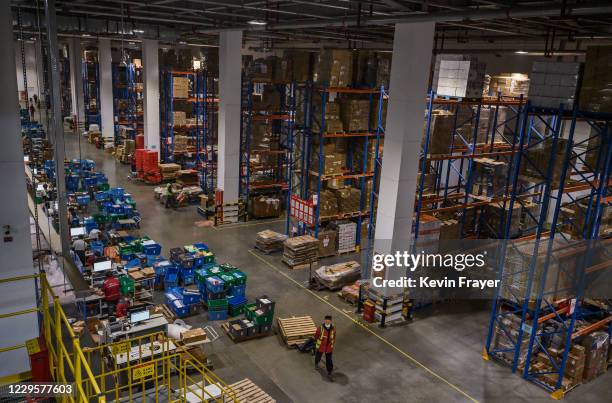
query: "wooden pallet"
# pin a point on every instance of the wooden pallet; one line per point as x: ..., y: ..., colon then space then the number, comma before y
x: 268, y: 252
x: 296, y: 330
x: 300, y: 266
x: 247, y: 392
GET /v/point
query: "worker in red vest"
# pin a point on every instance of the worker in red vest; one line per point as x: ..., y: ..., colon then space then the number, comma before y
x: 112, y: 292
x: 122, y: 308
x: 325, y: 337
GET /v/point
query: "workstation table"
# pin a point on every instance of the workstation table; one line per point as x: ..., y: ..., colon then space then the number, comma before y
x: 155, y: 323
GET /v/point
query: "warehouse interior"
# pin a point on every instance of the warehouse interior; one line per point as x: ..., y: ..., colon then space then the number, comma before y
x: 204, y: 199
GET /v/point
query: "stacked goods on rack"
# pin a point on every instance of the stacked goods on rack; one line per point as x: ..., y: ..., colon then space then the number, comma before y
x: 300, y: 250
x: 296, y: 330
x: 578, y: 212
x: 350, y: 293
x: 181, y: 143
x: 355, y: 114
x: 595, y: 89
x: 370, y: 156
x: 503, y: 335
x: 333, y: 67
x: 458, y: 76
x: 169, y: 171
x: 489, y: 177
x: 554, y: 83
x: 383, y: 69
x: 333, y: 122
x: 336, y: 276
x: 450, y: 229
x: 328, y: 203
x: 333, y: 161
x: 269, y: 241
x: 327, y: 242
x: 187, y: 177
x: 349, y: 199
x: 268, y: 100
x: 179, y: 118
x: 295, y: 66
x: 539, y: 159
x: 440, y: 132
x: 509, y: 85
x: 265, y: 207
x: 429, y: 233
x: 496, y: 216
x: 180, y: 87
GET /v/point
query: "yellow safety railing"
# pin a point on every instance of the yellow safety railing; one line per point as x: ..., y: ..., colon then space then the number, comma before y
x: 157, y: 368
x: 66, y: 359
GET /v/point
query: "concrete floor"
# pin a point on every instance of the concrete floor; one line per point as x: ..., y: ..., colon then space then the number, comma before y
x: 436, y: 358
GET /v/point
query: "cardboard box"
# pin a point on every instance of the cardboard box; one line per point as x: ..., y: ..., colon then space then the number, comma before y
x: 179, y: 118
x: 327, y: 243
x: 180, y: 87
x: 595, y: 94
x: 334, y: 68
x: 193, y: 335
x: 264, y: 207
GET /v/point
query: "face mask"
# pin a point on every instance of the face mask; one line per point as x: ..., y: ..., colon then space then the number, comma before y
x: 327, y: 326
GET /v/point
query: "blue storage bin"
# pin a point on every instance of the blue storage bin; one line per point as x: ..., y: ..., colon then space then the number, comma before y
x: 201, y: 246
x: 133, y: 263
x: 97, y: 247
x: 191, y: 297
x: 101, y: 196
x: 217, y: 315
x: 187, y: 276
x: 83, y: 200
x: 238, y: 290
x: 235, y: 300
x: 117, y: 193
x: 214, y: 284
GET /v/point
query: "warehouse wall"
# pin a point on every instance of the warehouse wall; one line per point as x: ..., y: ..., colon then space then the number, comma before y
x: 34, y: 74
x: 16, y: 252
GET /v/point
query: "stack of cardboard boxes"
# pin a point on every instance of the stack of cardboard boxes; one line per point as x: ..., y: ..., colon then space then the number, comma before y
x: 179, y: 118
x: 346, y: 233
x: 333, y: 68
x: 595, y: 94
x: 180, y: 87
x: 348, y: 199
x: 355, y: 114
x: 540, y: 158
x: 554, y: 83
x: 509, y: 85
x: 333, y: 122
x: 333, y: 161
x: 489, y: 177
x: 169, y: 171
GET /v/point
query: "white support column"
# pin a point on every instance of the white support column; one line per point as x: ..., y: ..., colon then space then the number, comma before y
x: 412, y: 49
x: 230, y: 66
x: 150, y: 63
x: 16, y: 247
x: 76, y: 79
x: 106, y: 87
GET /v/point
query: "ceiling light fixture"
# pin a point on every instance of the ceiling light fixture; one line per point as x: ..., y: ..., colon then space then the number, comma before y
x: 138, y: 31
x: 182, y: 43
x: 521, y: 52
x: 85, y: 35
x: 257, y: 22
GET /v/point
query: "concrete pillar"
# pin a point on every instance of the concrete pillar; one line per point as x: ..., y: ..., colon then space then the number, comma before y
x: 106, y: 88
x: 230, y: 62
x: 76, y: 79
x: 412, y: 49
x: 150, y: 63
x: 16, y: 247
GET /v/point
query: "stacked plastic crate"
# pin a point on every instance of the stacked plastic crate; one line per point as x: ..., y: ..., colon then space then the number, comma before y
x: 181, y: 301
x: 216, y: 298
x: 261, y: 314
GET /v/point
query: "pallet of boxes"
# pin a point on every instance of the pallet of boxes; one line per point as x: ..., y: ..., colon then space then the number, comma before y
x: 269, y: 241
x: 300, y: 252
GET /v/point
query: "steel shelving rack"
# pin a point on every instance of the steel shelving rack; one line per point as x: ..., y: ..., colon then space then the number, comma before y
x: 66, y: 98
x: 91, y: 92
x: 201, y: 153
x: 453, y: 172
x: 578, y: 181
x: 306, y: 181
x: 264, y: 178
x: 127, y: 100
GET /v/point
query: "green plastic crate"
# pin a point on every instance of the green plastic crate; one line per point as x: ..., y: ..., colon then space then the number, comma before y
x: 104, y: 187
x: 263, y: 319
x: 127, y: 285
x: 207, y: 257
x: 240, y: 277
x: 249, y: 311
x: 217, y: 303
x: 228, y: 268
x: 99, y: 218
x: 236, y: 310
x: 228, y: 279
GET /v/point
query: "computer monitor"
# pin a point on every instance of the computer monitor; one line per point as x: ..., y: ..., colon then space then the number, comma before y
x: 139, y: 316
x: 103, y: 265
x: 77, y: 231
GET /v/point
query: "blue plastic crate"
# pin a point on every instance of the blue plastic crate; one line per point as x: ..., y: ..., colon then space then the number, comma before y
x: 191, y: 297
x: 238, y: 290
x: 217, y: 315
x: 133, y: 263
x: 236, y: 300
x: 179, y: 308
x: 97, y: 247
x: 101, y: 196
x: 117, y: 193
x: 83, y: 200
x: 201, y: 246
x: 214, y: 284
x: 152, y: 249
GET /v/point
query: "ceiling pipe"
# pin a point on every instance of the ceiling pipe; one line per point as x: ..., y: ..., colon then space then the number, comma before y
x: 440, y: 16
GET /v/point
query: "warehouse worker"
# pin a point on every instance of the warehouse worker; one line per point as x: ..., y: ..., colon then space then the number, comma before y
x: 112, y: 292
x: 122, y: 307
x: 79, y: 246
x: 325, y: 337
x: 95, y: 234
x: 169, y: 196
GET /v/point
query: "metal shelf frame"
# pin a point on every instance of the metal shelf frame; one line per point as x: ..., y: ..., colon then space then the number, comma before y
x: 91, y: 93
x: 269, y: 179
x: 306, y: 181
x: 537, y: 305
x: 124, y: 78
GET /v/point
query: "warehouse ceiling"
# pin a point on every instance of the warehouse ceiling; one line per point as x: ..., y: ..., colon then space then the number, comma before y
x: 268, y: 24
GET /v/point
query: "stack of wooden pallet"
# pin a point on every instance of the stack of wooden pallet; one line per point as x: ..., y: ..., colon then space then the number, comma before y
x: 246, y: 391
x: 269, y: 241
x: 296, y: 330
x: 300, y: 250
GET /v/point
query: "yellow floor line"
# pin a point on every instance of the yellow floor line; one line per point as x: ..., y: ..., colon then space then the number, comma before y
x: 387, y: 342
